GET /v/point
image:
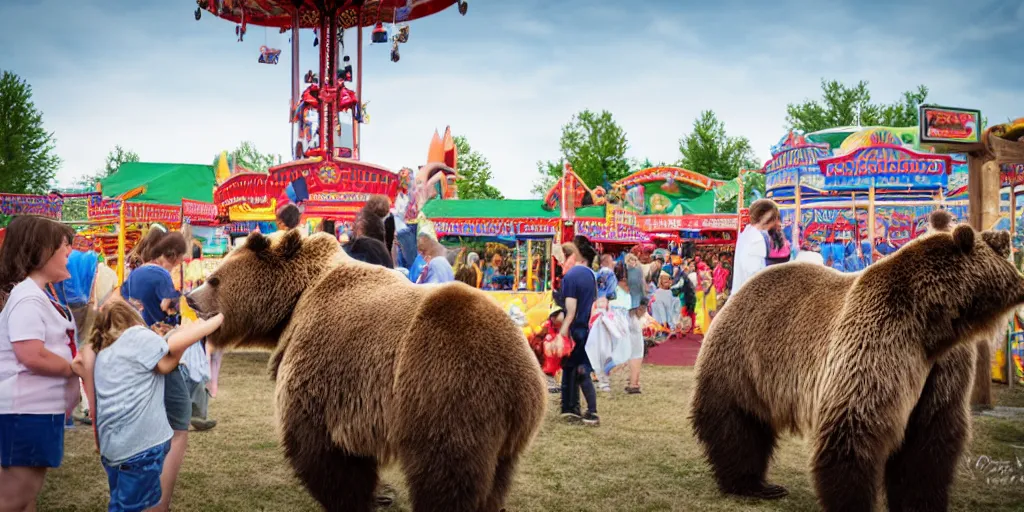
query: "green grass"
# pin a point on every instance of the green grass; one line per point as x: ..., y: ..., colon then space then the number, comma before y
x: 641, y: 458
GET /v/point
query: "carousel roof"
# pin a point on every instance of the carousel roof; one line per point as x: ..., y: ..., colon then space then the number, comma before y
x: 278, y: 13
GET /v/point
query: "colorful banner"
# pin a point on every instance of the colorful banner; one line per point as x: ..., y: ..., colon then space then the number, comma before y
x: 668, y: 223
x: 507, y: 228
x: 886, y: 166
x: 108, y: 210
x: 323, y: 176
x: 784, y: 168
x: 956, y: 125
x: 600, y: 231
x: 240, y: 189
x: 198, y: 212
x: 1011, y: 175
x: 44, y: 206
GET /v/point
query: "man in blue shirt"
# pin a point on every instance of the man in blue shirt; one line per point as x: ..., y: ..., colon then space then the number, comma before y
x: 438, y: 270
x: 579, y: 290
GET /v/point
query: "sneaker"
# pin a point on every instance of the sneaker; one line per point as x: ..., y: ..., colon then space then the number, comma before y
x: 69, y: 423
x: 632, y: 391
x: 554, y: 389
x: 570, y: 417
x: 201, y: 424
x: 591, y: 419
x: 607, y: 388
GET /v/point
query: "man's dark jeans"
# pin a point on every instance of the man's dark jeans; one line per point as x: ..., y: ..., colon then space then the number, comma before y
x: 576, y: 377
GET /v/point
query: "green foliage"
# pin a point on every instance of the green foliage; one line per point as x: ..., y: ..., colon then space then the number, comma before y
x: 842, y: 105
x: 115, y: 158
x: 753, y: 189
x: 708, y: 150
x: 474, y: 173
x: 595, y: 145
x: 28, y: 161
x: 247, y: 156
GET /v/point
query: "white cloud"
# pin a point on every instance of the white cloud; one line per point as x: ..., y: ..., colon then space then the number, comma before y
x: 183, y: 91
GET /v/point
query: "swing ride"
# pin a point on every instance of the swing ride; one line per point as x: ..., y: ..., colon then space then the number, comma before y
x: 326, y: 173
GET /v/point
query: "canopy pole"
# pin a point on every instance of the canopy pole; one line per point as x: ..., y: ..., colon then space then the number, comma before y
x: 359, y: 81
x: 796, y: 217
x: 529, y: 264
x: 120, y: 244
x: 295, y: 79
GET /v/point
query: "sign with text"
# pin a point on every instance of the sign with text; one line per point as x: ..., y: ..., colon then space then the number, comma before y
x: 198, y: 212
x: 670, y: 223
x: 885, y: 166
x: 44, y: 206
x: 507, y: 228
x: 250, y: 189
x: 949, y: 125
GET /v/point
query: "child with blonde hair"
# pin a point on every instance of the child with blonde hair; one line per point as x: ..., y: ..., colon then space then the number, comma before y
x: 127, y: 382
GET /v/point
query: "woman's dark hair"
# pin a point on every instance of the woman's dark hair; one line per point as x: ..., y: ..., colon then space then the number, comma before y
x: 289, y: 215
x: 369, y: 250
x: 327, y: 226
x: 372, y: 216
x: 389, y: 231
x: 587, y: 251
x: 137, y: 256
x: 28, y: 244
x: 620, y: 271
x: 372, y: 226
x: 778, y: 239
x: 170, y: 245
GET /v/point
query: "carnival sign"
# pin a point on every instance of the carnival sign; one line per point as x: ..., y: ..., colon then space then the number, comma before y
x: 109, y: 210
x: 669, y: 223
x: 44, y: 206
x: 950, y: 125
x: 507, y: 228
x: 198, y: 212
x: 885, y: 166
x: 250, y: 189
x: 1011, y: 175
x: 334, y: 176
x: 794, y: 163
x: 600, y: 231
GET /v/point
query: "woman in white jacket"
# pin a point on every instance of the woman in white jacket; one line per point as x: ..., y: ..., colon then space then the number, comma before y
x: 752, y: 246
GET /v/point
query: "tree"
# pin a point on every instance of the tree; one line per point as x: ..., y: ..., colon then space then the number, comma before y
x: 595, y: 145
x: 115, y: 158
x: 28, y: 160
x: 841, y: 105
x: 474, y: 173
x: 708, y: 150
x: 247, y: 156
x: 753, y: 189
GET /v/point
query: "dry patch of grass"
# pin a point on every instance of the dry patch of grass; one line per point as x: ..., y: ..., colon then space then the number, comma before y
x: 641, y: 458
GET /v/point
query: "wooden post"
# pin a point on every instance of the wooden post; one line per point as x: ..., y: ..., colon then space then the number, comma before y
x: 515, y: 285
x: 796, y: 216
x: 871, y: 219
x: 120, y: 244
x: 529, y: 264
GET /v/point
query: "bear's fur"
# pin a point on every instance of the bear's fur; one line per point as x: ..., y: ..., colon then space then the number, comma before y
x: 875, y: 367
x: 372, y: 369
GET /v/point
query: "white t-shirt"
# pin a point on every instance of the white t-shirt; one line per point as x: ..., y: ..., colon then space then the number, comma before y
x: 751, y: 252
x: 29, y: 315
x: 810, y: 257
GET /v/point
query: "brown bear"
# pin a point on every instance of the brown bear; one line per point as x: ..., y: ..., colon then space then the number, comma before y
x: 371, y: 369
x: 875, y: 367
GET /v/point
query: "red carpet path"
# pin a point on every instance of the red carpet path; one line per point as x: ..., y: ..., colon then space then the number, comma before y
x: 675, y: 351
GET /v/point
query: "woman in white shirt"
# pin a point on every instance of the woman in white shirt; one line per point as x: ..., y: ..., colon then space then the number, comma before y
x: 751, y: 246
x: 37, y: 344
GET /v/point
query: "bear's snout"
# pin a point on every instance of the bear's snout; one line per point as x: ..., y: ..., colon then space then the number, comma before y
x: 193, y: 304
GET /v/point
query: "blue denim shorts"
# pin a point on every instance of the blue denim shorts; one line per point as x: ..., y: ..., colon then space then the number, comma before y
x: 135, y: 483
x: 178, y: 398
x: 31, y: 440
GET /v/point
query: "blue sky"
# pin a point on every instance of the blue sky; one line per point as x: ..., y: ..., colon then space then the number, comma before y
x: 507, y: 75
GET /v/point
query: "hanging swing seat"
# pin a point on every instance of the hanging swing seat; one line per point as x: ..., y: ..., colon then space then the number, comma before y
x: 380, y: 34
x: 269, y: 55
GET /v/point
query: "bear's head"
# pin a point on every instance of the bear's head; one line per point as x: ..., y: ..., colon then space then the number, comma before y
x: 258, y: 284
x: 959, y: 284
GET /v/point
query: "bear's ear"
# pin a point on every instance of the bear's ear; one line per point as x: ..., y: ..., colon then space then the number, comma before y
x: 290, y: 244
x: 999, y: 241
x: 256, y: 242
x: 963, y: 236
